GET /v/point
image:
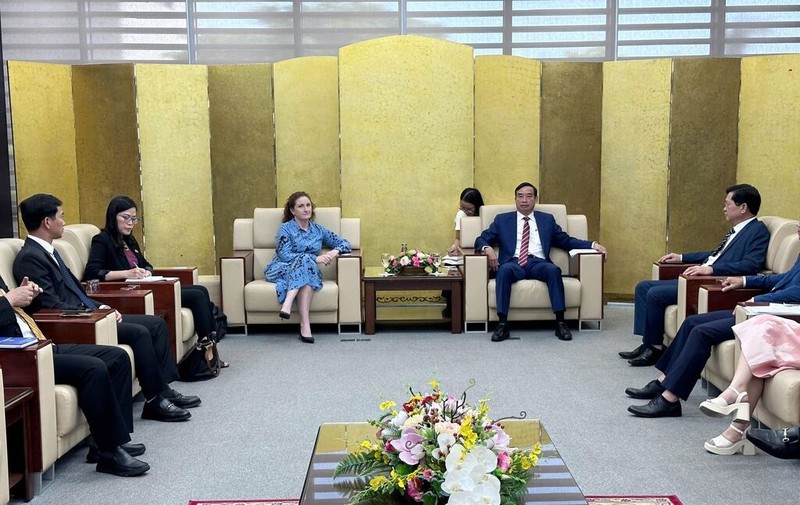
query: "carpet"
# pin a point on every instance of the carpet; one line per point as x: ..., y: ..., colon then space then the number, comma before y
x: 593, y: 500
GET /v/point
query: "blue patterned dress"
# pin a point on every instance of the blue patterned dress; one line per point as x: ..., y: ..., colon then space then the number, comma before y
x: 295, y: 261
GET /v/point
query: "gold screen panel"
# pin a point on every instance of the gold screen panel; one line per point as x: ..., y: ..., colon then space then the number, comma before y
x: 572, y: 117
x: 176, y: 165
x: 634, y: 169
x: 769, y: 131
x: 406, y: 140
x: 107, y: 143
x: 242, y: 145
x: 44, y: 133
x: 307, y: 128
x: 507, y: 110
x: 703, y: 138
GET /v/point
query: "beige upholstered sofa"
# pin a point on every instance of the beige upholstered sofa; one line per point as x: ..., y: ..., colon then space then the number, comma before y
x: 4, y: 497
x: 75, y: 246
x: 247, y: 298
x: 61, y: 424
x: 583, y: 281
x: 779, y: 259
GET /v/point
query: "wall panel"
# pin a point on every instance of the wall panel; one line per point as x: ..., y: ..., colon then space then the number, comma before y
x: 769, y: 131
x: 107, y: 144
x: 634, y: 169
x: 571, y: 121
x: 176, y: 165
x: 703, y: 141
x: 42, y: 115
x: 406, y: 138
x: 242, y: 145
x: 307, y: 129
x: 507, y: 110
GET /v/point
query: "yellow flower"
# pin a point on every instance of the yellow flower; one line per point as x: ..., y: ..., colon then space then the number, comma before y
x: 387, y: 405
x: 434, y: 384
x: 366, y: 444
x: 525, y: 464
x: 537, y: 449
x: 376, y: 482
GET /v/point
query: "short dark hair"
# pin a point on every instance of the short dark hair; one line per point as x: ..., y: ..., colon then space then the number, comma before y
x: 745, y: 193
x: 287, y: 209
x: 525, y: 184
x: 37, y: 207
x: 115, y: 206
x: 473, y: 196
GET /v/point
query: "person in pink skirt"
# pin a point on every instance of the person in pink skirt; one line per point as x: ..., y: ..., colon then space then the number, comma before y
x: 769, y: 345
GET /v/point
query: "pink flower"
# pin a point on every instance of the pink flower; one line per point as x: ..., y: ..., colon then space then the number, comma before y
x: 415, y: 261
x: 503, y: 461
x: 409, y: 447
x: 427, y: 474
x: 414, y: 489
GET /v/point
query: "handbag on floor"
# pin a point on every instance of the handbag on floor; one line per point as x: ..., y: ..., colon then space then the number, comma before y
x: 202, y: 363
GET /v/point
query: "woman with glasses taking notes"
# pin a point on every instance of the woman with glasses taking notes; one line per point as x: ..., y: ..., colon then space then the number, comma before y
x: 115, y: 255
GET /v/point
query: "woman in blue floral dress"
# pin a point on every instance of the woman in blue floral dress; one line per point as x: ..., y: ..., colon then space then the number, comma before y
x: 294, y: 269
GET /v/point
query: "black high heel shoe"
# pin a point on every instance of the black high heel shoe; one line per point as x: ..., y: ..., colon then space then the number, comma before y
x: 306, y: 340
x: 284, y: 315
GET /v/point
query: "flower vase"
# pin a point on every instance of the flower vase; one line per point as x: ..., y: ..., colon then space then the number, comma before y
x: 412, y: 270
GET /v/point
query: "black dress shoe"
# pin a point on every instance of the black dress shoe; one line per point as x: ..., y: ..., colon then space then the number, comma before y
x: 657, y: 407
x: 649, y: 357
x: 182, y: 401
x: 634, y: 353
x: 783, y: 443
x: 562, y: 331
x: 650, y: 391
x: 501, y: 332
x: 119, y: 462
x: 161, y: 409
x: 93, y: 456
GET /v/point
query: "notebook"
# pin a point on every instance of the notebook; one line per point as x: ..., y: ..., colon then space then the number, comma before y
x: 16, y: 342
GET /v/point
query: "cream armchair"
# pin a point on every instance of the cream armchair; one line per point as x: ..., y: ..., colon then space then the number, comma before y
x: 247, y: 298
x: 583, y: 276
x: 777, y: 261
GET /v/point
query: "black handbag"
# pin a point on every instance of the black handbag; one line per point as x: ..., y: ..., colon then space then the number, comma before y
x: 202, y: 363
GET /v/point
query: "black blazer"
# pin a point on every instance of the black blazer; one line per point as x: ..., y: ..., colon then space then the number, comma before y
x: 35, y: 263
x: 106, y: 256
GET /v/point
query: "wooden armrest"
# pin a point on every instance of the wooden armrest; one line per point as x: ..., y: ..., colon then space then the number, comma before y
x: 693, y: 284
x: 727, y: 300
x: 669, y: 271
x: 128, y: 301
x: 184, y: 274
x: 70, y: 330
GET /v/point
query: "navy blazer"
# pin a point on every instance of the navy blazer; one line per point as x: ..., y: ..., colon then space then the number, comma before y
x: 503, y: 232
x: 745, y: 255
x: 106, y: 256
x: 784, y: 288
x: 37, y: 264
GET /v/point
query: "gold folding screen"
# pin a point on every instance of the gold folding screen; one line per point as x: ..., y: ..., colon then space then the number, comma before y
x: 393, y: 129
x: 44, y: 133
x: 307, y: 129
x: 769, y: 131
x: 507, y: 110
x: 406, y: 136
x: 242, y: 145
x: 176, y: 164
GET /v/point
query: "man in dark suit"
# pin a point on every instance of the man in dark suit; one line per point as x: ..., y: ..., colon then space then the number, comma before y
x: 525, y: 244
x: 742, y: 252
x: 147, y: 335
x: 100, y: 373
x: 685, y: 358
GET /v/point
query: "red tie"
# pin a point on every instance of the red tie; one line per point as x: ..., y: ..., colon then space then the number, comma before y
x: 523, y: 247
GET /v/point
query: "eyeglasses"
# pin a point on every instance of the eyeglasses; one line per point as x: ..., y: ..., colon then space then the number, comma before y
x: 128, y: 219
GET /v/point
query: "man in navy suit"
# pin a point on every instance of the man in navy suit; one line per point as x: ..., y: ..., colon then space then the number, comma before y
x: 525, y: 244
x: 742, y: 252
x: 685, y: 358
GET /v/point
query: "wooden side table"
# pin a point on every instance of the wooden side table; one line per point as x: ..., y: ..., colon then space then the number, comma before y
x: 18, y: 434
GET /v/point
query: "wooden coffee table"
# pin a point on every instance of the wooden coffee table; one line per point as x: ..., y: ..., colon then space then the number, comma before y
x: 550, y: 482
x: 451, y: 280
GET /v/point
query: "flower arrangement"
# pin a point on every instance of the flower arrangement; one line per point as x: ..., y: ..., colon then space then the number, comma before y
x: 411, y: 258
x: 438, y: 449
